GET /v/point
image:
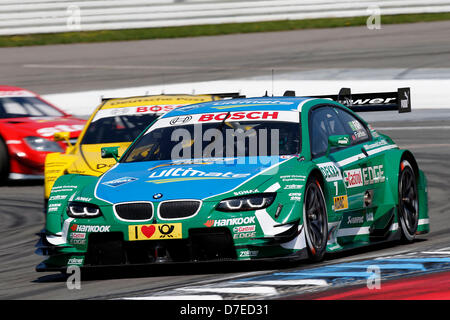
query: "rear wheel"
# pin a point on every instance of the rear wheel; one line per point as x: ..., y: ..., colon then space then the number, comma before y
x: 408, y: 202
x: 4, y: 163
x: 315, y: 220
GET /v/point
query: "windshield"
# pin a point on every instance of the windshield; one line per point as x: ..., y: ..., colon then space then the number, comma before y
x: 217, y: 140
x: 17, y: 107
x: 123, y: 128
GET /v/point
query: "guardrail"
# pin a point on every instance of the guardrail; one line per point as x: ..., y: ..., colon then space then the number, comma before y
x: 53, y: 16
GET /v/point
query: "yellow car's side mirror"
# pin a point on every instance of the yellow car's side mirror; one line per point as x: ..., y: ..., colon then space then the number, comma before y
x: 61, y: 136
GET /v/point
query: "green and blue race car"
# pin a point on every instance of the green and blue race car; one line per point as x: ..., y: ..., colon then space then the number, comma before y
x: 242, y: 179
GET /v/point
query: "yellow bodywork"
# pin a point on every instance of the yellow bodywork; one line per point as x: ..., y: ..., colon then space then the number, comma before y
x: 86, y: 159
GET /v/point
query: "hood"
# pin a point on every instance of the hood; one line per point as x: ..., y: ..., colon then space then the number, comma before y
x: 44, y: 126
x: 192, y: 179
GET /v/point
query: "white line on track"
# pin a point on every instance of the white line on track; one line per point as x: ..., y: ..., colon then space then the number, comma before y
x: 437, y: 252
x: 240, y: 275
x: 300, y: 282
x: 174, y: 297
x: 239, y: 290
x: 412, y: 128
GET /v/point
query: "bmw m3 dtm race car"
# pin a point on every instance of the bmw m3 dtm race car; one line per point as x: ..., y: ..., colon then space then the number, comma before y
x: 242, y: 179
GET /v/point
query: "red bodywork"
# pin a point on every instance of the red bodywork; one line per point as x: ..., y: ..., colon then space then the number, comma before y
x: 25, y: 162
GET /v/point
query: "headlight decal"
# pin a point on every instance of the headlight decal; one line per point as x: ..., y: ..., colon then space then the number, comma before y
x: 83, y: 210
x: 246, y: 203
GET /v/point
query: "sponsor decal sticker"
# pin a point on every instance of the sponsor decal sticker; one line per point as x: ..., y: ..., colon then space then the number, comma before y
x: 89, y: 228
x: 119, y: 182
x: 290, y: 178
x: 374, y: 174
x: 355, y: 220
x: 340, y: 203
x: 155, y: 231
x: 77, y: 235
x: 52, y: 207
x: 295, y: 196
x: 375, y: 145
x: 353, y: 178
x: 244, y: 235
x: 84, y: 199
x: 241, y: 116
x: 75, y: 261
x: 244, y: 192
x: 330, y: 171
x: 230, y: 222
x: 241, y: 229
x: 293, y: 186
x: 80, y: 242
x: 54, y: 198
x: 248, y: 253
x: 180, y: 174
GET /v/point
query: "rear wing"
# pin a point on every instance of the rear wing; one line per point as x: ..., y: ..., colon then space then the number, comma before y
x: 378, y: 101
x: 231, y: 95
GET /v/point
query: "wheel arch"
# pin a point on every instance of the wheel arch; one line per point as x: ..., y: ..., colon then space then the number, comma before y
x: 7, y: 157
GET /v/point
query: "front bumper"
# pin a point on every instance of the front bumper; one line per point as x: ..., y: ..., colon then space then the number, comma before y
x: 214, y: 244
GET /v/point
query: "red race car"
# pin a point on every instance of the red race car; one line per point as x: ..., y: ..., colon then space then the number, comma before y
x: 27, y: 125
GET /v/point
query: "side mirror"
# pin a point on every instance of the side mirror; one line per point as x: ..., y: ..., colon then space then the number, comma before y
x: 110, y: 152
x: 338, y: 141
x: 62, y: 136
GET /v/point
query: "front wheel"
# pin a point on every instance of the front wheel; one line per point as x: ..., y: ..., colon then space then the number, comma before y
x: 315, y: 220
x: 408, y: 202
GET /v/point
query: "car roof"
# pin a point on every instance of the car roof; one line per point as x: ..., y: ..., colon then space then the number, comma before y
x: 246, y: 104
x: 6, y: 88
x: 169, y: 99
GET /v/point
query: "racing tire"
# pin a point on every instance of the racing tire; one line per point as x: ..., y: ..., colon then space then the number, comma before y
x: 4, y: 163
x: 315, y: 220
x: 408, y: 202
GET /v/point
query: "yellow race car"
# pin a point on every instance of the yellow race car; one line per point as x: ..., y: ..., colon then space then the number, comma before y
x: 116, y: 122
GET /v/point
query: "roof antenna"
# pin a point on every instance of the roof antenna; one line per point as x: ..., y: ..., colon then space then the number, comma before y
x: 272, y: 81
x: 266, y: 95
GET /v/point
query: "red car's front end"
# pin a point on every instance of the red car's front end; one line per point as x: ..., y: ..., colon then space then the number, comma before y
x: 27, y: 125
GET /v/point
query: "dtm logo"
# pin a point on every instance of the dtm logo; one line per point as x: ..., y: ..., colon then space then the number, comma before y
x: 119, y: 182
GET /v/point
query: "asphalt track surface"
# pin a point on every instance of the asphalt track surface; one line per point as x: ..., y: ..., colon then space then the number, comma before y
x: 211, y: 58
x: 81, y: 67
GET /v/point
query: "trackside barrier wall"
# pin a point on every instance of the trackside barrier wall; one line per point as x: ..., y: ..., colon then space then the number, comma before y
x: 53, y: 16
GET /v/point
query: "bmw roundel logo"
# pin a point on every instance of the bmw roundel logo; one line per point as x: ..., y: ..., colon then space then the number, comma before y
x: 157, y: 195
